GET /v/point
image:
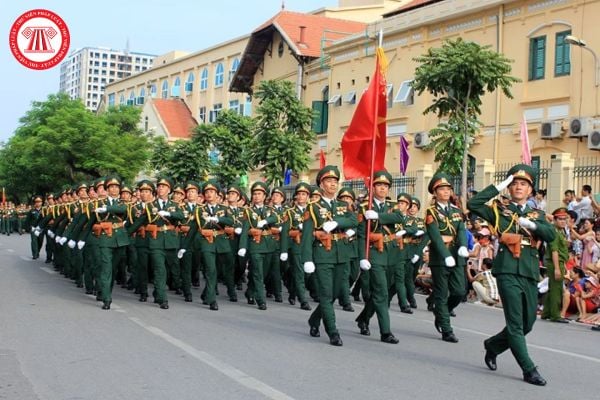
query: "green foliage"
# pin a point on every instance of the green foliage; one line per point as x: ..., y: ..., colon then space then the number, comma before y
x: 182, y: 160
x: 283, y: 136
x: 458, y: 75
x: 60, y: 142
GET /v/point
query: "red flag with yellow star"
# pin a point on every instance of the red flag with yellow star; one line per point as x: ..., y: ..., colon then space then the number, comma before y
x: 364, y: 143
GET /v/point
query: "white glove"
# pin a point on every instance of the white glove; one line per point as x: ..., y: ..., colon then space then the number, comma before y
x: 80, y: 244
x: 180, y: 253
x: 51, y: 234
x: 261, y: 223
x: 414, y: 259
x: 463, y: 252
x: 242, y: 252
x: 309, y: 267
x: 36, y: 232
x: 449, y: 261
x: 350, y: 232
x: 400, y: 233
x: 371, y: 214
x: 300, y: 226
x: 283, y: 256
x: 365, y: 265
x: 280, y: 228
x: 238, y: 231
x: 164, y: 213
x: 504, y: 184
x: 213, y: 219
x: 63, y: 240
x: 101, y: 210
x: 419, y: 233
x: 328, y: 226
x: 72, y: 244
x: 37, y: 228
x: 57, y: 239
x: 527, y: 223
x: 125, y: 223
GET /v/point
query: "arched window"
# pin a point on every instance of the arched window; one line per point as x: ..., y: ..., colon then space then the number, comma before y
x: 204, y: 79
x: 153, y: 91
x: 234, y: 67
x: 189, y: 84
x: 165, y: 89
x: 219, y: 75
x: 176, y: 87
x: 131, y: 99
x: 121, y: 99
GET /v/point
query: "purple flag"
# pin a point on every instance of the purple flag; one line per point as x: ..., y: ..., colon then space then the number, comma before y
x: 404, y: 156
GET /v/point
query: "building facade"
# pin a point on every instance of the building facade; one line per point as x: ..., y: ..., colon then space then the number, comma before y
x: 86, y: 72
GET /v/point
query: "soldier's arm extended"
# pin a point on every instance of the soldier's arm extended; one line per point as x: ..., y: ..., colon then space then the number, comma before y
x: 477, y: 203
x: 308, y: 227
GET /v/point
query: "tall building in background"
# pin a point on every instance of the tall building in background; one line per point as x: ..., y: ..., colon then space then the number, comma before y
x: 85, y: 72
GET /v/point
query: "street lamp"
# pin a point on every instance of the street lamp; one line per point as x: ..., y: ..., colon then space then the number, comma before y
x: 581, y: 43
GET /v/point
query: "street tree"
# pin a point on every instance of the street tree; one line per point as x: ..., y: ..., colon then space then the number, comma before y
x: 283, y: 137
x: 458, y: 75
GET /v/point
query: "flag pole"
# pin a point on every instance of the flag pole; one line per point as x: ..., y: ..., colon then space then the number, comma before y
x: 373, y: 140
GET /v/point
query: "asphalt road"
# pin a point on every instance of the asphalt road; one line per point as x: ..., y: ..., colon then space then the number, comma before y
x: 57, y: 343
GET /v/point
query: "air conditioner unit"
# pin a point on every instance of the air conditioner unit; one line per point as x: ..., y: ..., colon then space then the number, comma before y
x: 551, y: 129
x: 594, y: 140
x: 421, y: 139
x: 579, y: 127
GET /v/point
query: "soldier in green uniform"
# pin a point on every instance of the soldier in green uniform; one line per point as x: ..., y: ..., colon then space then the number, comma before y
x: 311, y: 279
x: 234, y: 197
x: 379, y: 254
x: 294, y: 218
x: 348, y: 195
x: 34, y: 216
x: 80, y: 213
x: 516, y: 266
x: 447, y: 253
x: 415, y: 253
x: 325, y: 248
x: 173, y: 263
x: 280, y: 234
x: 192, y: 188
x: 557, y: 254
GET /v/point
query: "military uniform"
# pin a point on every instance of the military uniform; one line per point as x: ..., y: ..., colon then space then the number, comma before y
x: 560, y: 246
x: 447, y: 255
x: 325, y: 248
x: 414, y: 254
x: 516, y: 268
x: 34, y: 216
x: 184, y: 227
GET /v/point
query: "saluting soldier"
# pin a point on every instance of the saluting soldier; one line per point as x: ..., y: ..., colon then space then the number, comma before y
x: 516, y: 266
x: 447, y: 254
x: 325, y: 248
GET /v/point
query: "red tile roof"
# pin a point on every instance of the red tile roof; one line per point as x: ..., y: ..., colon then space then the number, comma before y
x: 410, y: 6
x: 176, y: 117
x: 316, y: 28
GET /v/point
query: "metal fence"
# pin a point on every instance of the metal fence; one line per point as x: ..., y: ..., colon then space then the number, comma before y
x: 586, y: 172
x: 400, y: 184
x: 457, y: 183
x: 542, y: 169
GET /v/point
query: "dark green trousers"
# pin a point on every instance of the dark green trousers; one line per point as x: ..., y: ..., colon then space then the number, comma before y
x: 109, y: 257
x: 396, y: 282
x: 409, y: 281
x: 209, y: 260
x: 143, y: 265
x: 448, y: 291
x: 36, y: 244
x: 226, y: 267
x: 519, y: 302
x: 297, y: 287
x: 77, y: 265
x: 553, y: 300
x: 342, y: 275
x: 378, y: 302
x: 328, y: 286
x: 186, y: 272
x: 260, y: 266
x: 49, y: 248
x: 159, y: 259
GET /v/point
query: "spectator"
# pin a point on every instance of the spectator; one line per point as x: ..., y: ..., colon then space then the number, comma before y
x: 540, y: 200
x: 574, y: 282
x: 484, y: 284
x: 587, y: 237
x: 569, y: 198
x: 588, y: 299
x: 483, y: 249
x: 583, y: 205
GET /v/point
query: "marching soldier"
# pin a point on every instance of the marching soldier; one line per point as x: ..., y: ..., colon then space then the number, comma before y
x: 234, y: 198
x: 191, y: 257
x: 325, y: 248
x: 516, y: 266
x: 447, y: 253
x: 351, y: 274
x: 280, y: 235
x: 415, y: 253
x: 34, y: 216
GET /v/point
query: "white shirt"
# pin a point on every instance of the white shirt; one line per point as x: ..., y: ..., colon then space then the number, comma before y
x: 583, y: 208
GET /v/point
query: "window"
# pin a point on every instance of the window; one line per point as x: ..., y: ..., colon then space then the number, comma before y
x: 396, y: 130
x: 336, y: 100
x: 537, y: 57
x: 390, y: 95
x: 219, y: 75
x: 131, y: 100
x: 176, y: 88
x: 234, y: 105
x: 562, y: 55
x: 204, y: 79
x: 153, y: 91
x: 214, y: 113
x: 189, y: 84
x: 202, y: 114
x: 248, y: 107
x: 320, y: 110
x: 140, y: 99
x: 165, y: 90
x: 111, y: 100
x: 121, y: 99
x: 350, y: 97
x: 405, y: 93
x: 234, y: 67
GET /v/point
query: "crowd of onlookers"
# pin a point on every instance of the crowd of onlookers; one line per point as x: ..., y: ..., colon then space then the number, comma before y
x: 581, y: 291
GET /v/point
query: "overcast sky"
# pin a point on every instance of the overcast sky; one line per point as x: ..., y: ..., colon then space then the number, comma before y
x: 151, y: 26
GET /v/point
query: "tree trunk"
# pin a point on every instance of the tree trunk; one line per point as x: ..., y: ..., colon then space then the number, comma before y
x: 463, y: 184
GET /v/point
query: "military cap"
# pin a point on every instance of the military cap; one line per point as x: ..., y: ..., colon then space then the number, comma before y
x: 244, y: 196
x: 192, y: 185
x: 405, y: 197
x: 234, y: 188
x: 382, y: 177
x: 178, y: 187
x: 99, y: 182
x: 50, y: 196
x: 211, y: 185
x: 126, y: 188
x: 328, y: 171
x: 523, y: 171
x: 347, y: 192
x: 416, y: 201
x: 163, y: 180
x: 82, y: 185
x: 560, y: 212
x: 259, y: 186
x: 279, y: 190
x: 145, y: 184
x: 112, y: 180
x: 440, y: 179
x: 37, y: 198
x: 302, y: 187
x: 315, y: 191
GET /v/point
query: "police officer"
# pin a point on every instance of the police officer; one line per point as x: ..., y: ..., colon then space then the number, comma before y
x: 516, y: 266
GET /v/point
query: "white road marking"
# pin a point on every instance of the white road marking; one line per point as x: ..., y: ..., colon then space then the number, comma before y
x: 10, y: 250
x: 235, y: 374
